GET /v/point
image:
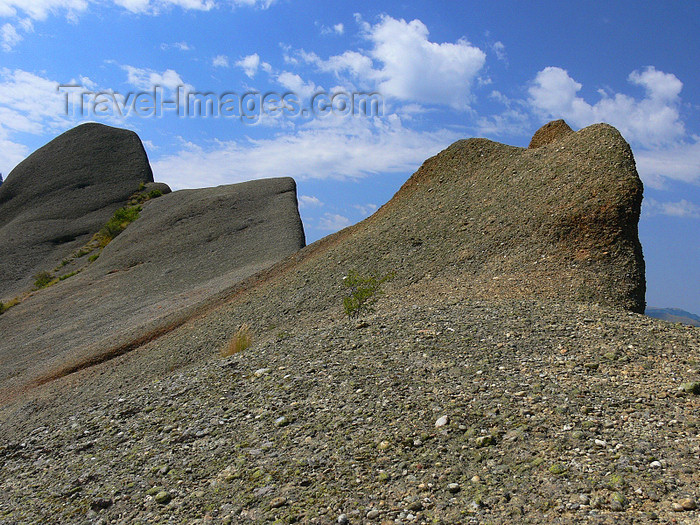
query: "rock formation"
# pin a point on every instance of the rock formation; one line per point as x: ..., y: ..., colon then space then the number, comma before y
x: 550, y: 132
x: 57, y: 198
x: 502, y: 378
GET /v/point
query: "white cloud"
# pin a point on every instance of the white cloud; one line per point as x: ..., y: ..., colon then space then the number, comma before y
x: 337, y: 29
x: 650, y: 121
x: 156, y: 6
x: 220, y: 61
x: 9, y: 37
x: 679, y: 162
x: 333, y: 222
x: 500, y: 49
x: 147, y: 79
x: 28, y: 104
x: 332, y: 148
x: 295, y: 84
x: 309, y: 201
x: 403, y: 63
x: 682, y: 208
x: 249, y: 64
x: 180, y: 46
x: 40, y: 9
x: 367, y: 209
x: 415, y: 69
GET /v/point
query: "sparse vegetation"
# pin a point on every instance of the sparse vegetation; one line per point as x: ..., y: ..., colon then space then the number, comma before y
x: 42, y: 280
x: 364, y: 291
x: 241, y: 340
x: 117, y: 224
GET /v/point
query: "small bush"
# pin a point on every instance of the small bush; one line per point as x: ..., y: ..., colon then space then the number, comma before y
x: 154, y: 194
x: 93, y: 258
x: 42, y: 280
x: 2, y: 308
x: 239, y: 342
x: 364, y: 292
x: 118, y: 223
x: 66, y: 276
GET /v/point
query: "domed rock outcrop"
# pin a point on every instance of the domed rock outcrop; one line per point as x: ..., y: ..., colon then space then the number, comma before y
x: 57, y: 198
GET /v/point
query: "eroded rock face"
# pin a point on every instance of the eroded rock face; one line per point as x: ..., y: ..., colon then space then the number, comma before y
x: 550, y: 132
x: 56, y: 199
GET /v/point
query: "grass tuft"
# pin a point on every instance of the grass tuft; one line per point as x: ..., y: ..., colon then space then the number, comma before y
x: 241, y: 340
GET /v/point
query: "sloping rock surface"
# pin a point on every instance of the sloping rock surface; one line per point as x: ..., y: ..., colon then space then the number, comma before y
x: 481, y: 220
x: 184, y: 248
x: 57, y: 198
x: 487, y: 386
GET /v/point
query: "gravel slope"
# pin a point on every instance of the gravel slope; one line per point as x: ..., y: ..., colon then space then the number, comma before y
x: 553, y: 413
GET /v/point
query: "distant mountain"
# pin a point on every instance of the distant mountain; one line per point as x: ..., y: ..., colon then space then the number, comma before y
x: 674, y: 315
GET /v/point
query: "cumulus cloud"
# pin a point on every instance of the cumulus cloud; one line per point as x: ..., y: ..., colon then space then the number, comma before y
x: 679, y: 162
x: 682, y: 208
x: 295, y: 84
x: 28, y: 104
x: 340, y: 148
x: 249, y: 64
x: 40, y: 9
x: 333, y: 222
x: 9, y: 37
x: 180, y: 46
x: 337, y: 29
x: 147, y: 79
x: 403, y: 63
x: 220, y: 61
x: 651, y: 121
x: 309, y: 201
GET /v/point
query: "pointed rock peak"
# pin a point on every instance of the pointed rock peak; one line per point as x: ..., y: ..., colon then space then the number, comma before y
x: 550, y: 132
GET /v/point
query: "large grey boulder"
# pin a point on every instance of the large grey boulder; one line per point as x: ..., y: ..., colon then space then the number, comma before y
x: 184, y: 249
x: 58, y: 197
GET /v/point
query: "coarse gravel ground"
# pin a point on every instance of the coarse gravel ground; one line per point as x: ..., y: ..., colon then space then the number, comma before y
x: 462, y: 412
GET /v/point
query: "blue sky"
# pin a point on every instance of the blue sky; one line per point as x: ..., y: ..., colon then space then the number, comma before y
x: 443, y: 71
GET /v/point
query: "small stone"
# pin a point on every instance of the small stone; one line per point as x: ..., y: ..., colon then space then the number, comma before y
x: 618, y: 502
x: 453, y: 488
x: 372, y: 514
x: 601, y: 442
x: 342, y: 519
x: 383, y: 445
x: 415, y: 506
x: 163, y: 497
x: 278, y: 502
x: 476, y: 479
x: 484, y: 441
x: 691, y: 388
x: 281, y: 421
x: 655, y: 464
x: 688, y: 504
x: 101, y: 504
x: 442, y: 421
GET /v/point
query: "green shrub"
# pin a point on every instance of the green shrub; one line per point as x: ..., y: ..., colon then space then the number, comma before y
x: 2, y: 308
x: 42, y: 280
x: 239, y: 342
x: 154, y: 194
x: 363, y: 292
x: 118, y: 223
x: 93, y: 258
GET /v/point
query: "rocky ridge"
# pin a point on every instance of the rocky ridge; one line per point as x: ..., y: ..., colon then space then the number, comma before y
x: 501, y: 380
x: 53, y: 202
